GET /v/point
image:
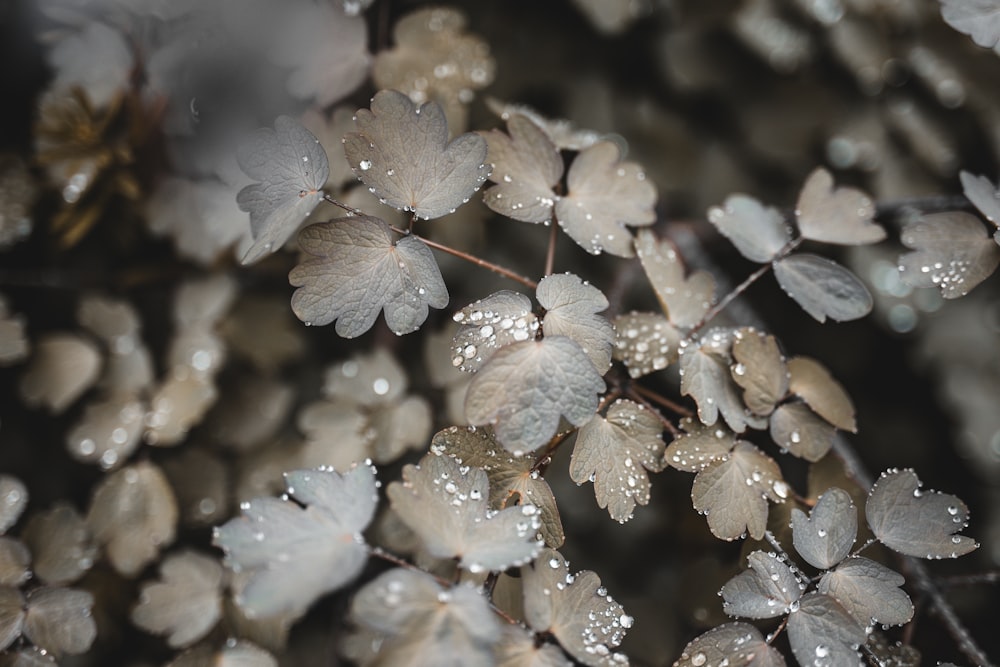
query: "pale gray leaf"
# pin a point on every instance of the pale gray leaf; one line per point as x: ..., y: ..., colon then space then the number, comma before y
x: 759, y: 370
x: 517, y: 648
x: 605, y: 195
x: 822, y: 287
x: 684, y: 300
x: 758, y: 233
x: 405, y: 425
x: 979, y: 19
x: 699, y: 445
x: 109, y: 430
x: 766, y: 590
x: 402, y: 153
x: 825, y: 537
x: 576, y: 609
x: 733, y: 492
x: 916, y: 522
x: 735, y: 644
x: 60, y: 620
x: 821, y: 629
x: 526, y: 387
x: 13, y: 500
x: 980, y: 190
x: 571, y: 306
x: 447, y: 505
x: 295, y: 554
x: 842, y: 215
x: 353, y: 269
x: 12, y: 615
x: 869, y: 591
x: 511, y: 478
x: 706, y: 377
x: 809, y: 380
x: 800, y: 431
x: 186, y: 603
x: 615, y: 452
x: 951, y: 251
x: 202, y: 302
x: 372, y: 379
x: 486, y: 325
x: 15, y: 559
x: 291, y: 168
x: 645, y: 342
x: 61, y: 545
x: 111, y: 320
x: 526, y: 166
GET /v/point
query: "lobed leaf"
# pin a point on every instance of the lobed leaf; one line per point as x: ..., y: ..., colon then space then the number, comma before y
x: 645, y: 342
x: 842, y: 215
x: 61, y: 545
x: 733, y: 644
x: 811, y: 382
x: 979, y: 19
x: 825, y: 537
x: 526, y: 166
x: 915, y: 522
x: 186, y: 604
x: 760, y: 370
x: 800, y: 431
x: 821, y: 629
x: 402, y: 153
x: 60, y: 620
x: 951, y: 252
x: 490, y: 323
x: 869, y: 591
x: 767, y: 589
x: 518, y: 648
x: 758, y: 233
x: 684, y: 300
x: 822, y: 287
x: 291, y: 168
x: 706, y: 377
x: 571, y: 306
x: 353, y: 269
x: 698, y: 446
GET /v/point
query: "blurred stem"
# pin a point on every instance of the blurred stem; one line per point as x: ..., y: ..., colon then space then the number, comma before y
x: 550, y: 253
x: 659, y: 399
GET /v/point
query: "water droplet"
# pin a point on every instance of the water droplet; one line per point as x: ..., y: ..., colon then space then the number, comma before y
x: 365, y: 165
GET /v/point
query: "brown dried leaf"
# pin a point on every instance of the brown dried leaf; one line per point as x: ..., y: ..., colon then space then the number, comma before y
x: 842, y: 215
x: 177, y: 405
x: 811, y: 382
x: 706, y: 377
x: 759, y: 370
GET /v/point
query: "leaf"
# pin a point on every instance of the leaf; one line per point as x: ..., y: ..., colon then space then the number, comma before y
x: 979, y: 19
x: 291, y: 168
x: 15, y: 560
x: 517, y: 648
x: 758, y: 233
x: 915, y: 522
x: 699, y: 445
x: 186, y: 604
x: 605, y: 194
x: 951, y: 252
x: 825, y: 537
x: 767, y: 590
x: 571, y: 306
x: 980, y: 190
x: 645, y: 342
x: 811, y: 382
x: 60, y: 620
x: 576, y: 609
x: 510, y: 478
x: 821, y: 629
x: 13, y: 500
x: 706, y: 377
x: 108, y: 431
x: 447, y: 505
x: 61, y: 545
x: 402, y: 153
x: 236, y: 653
x: 353, y: 269
x: 425, y: 623
x: 760, y: 370
x: 133, y: 514
x: 294, y: 554
x: 62, y: 368
x: 734, y: 644
x: 869, y: 591
x: 486, y: 325
x: 822, y: 287
x: 798, y: 430
x: 526, y: 166
x: 842, y: 215
x: 614, y: 452
x: 684, y: 300
x: 11, y: 615
x: 526, y: 387
x: 733, y: 492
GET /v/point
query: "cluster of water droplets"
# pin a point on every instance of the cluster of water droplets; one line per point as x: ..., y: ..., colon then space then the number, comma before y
x: 489, y: 324
x: 645, y: 342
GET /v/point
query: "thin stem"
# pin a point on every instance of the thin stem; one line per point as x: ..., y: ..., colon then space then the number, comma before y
x: 341, y: 205
x: 659, y: 399
x: 667, y: 424
x: 781, y: 628
x: 550, y: 253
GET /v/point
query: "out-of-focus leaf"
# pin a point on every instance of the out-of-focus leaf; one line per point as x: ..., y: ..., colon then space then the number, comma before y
x: 133, y: 515
x: 809, y: 380
x: 12, y: 615
x: 517, y: 648
x: 510, y: 478
x: 821, y: 629
x: 825, y: 537
x: 59, y: 620
x: 735, y: 644
x: 178, y: 404
x: 645, y: 342
x: 758, y: 233
x: 353, y: 269
x: 869, y: 591
x: 605, y: 195
x: 979, y: 19
x: 186, y: 604
x: 295, y: 554
x: 766, y: 590
x: 571, y: 306
x: 109, y: 319
x: 447, y: 505
x: 559, y: 131
x: 980, y: 190
x: 951, y: 252
x: 916, y: 522
x: 108, y: 432
x: 202, y: 481
x: 841, y: 215
x: 14, y: 344
x: 733, y: 492
x: 760, y: 370
x: 234, y: 654
x: 526, y: 166
x: 526, y: 387
x: 822, y: 287
x: 706, y: 377
x: 800, y: 431
x: 402, y: 152
x: 98, y: 59
x: 267, y: 348
x: 201, y: 303
x: 576, y: 609
x: 292, y: 168
x: 684, y: 300
x: 15, y: 558
x: 61, y: 545
x: 490, y: 323
x: 370, y: 379
x: 29, y: 656
x: 202, y: 217
x: 699, y: 445
x: 13, y: 500
x: 62, y: 367
x: 252, y: 409
x: 614, y: 452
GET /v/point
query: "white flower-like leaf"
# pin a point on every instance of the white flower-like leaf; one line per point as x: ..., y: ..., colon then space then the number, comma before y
x: 758, y: 233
